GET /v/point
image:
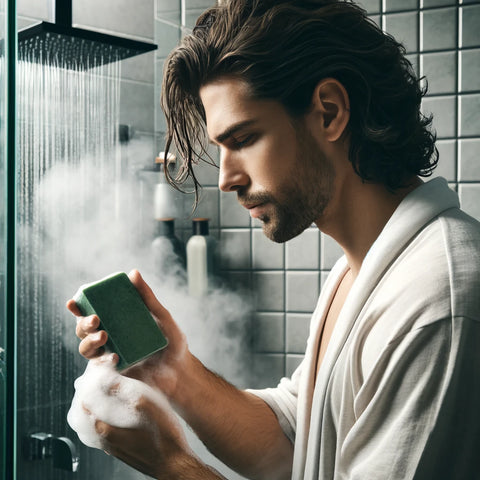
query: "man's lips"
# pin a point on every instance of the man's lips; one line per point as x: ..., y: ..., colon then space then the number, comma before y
x: 255, y: 209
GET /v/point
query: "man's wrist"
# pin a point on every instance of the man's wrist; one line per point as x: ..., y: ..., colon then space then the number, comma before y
x: 187, y: 378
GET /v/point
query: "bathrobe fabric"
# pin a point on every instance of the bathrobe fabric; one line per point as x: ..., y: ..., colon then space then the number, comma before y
x: 398, y: 393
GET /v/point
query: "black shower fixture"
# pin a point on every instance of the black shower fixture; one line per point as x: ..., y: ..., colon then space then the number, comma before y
x: 62, y: 45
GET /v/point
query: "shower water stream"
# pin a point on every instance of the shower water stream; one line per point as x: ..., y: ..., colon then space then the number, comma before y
x: 68, y: 123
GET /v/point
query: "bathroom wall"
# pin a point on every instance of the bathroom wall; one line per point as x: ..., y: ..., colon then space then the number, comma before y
x: 442, y: 38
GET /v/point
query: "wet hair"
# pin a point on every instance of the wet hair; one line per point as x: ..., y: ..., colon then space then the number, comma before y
x: 283, y: 49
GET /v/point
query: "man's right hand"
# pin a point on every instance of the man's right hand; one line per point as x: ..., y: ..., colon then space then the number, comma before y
x: 160, y: 370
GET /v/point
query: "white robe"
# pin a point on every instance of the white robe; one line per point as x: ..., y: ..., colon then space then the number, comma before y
x: 398, y: 392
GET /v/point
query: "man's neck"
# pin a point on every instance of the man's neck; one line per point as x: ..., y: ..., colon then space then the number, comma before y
x: 358, y: 214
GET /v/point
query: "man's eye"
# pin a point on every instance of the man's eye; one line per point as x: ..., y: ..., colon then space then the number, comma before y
x: 243, y: 141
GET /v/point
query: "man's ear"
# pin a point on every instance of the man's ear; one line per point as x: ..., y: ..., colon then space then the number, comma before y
x: 331, y: 107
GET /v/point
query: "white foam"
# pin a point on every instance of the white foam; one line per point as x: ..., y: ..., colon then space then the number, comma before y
x: 101, y: 393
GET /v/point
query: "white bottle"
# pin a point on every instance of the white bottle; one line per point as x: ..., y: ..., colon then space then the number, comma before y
x: 165, y: 204
x: 199, y: 258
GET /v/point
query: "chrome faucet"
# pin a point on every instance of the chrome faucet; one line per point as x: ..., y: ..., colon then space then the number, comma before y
x: 62, y: 450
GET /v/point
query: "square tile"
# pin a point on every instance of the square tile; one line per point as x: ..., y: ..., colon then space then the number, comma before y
x: 302, y: 291
x: 323, y: 278
x: 440, y: 69
x: 269, y: 332
x: 269, y: 291
x: 127, y: 17
x: 447, y: 164
x: 469, y: 21
x: 404, y: 28
x: 377, y: 20
x: 235, y: 251
x: 438, y: 29
x: 469, y: 111
x: 191, y: 16
x: 199, y: 4
x: 167, y: 37
x: 470, y: 70
x: 414, y: 59
x: 395, y: 5
x: 238, y: 282
x: 169, y: 10
x: 208, y: 206
x: 437, y: 3
x: 232, y: 214
x: 444, y: 114
x: 371, y: 6
x: 303, y: 252
x: 137, y: 105
x: 206, y: 173
x: 468, y: 160
x: 139, y: 68
x: 292, y: 362
x: 469, y: 199
x: 268, y: 369
x: 330, y: 252
x: 297, y: 331
x: 266, y: 254
x: 34, y: 9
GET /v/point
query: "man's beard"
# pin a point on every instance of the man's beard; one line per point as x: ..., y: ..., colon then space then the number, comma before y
x: 303, y: 200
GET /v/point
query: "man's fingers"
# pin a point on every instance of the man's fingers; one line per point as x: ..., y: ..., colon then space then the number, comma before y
x: 147, y: 294
x: 72, y: 306
x: 87, y: 326
x: 92, y: 345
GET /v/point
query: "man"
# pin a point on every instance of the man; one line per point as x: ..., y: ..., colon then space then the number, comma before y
x: 316, y: 116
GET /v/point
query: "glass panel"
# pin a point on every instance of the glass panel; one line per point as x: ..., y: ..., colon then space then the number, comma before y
x: 3, y: 204
x: 7, y: 237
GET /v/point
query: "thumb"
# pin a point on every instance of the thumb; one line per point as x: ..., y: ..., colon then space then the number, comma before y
x: 158, y: 310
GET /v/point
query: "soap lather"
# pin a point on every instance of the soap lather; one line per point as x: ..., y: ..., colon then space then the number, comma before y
x: 133, y: 334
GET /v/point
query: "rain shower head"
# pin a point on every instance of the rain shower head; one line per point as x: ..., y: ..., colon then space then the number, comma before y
x: 74, y: 48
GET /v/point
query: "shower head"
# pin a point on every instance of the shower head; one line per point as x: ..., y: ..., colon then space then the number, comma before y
x: 74, y: 48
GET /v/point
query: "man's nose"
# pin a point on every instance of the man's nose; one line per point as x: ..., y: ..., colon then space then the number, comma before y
x: 232, y: 176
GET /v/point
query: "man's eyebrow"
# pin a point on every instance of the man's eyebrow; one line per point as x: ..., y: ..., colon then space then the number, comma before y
x: 232, y: 130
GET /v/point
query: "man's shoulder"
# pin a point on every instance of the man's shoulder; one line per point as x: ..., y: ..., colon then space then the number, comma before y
x: 439, y: 270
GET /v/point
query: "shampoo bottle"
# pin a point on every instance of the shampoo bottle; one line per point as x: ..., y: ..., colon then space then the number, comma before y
x: 200, y: 258
x: 165, y: 202
x: 168, y: 251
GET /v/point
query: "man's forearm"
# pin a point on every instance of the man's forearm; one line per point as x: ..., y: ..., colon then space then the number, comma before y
x: 187, y: 468
x: 237, y: 427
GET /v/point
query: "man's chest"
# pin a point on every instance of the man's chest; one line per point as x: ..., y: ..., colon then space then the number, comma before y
x: 332, y: 314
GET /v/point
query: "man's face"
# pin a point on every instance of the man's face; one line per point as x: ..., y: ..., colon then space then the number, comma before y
x: 277, y: 169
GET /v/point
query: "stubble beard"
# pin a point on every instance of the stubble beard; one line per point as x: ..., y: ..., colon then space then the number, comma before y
x: 304, y: 200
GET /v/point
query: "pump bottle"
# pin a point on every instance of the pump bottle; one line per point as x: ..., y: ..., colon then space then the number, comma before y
x: 200, y: 258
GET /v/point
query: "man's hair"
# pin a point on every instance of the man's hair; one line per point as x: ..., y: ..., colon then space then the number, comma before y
x: 283, y: 49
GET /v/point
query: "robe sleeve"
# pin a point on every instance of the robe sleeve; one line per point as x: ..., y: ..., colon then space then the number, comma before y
x: 418, y: 410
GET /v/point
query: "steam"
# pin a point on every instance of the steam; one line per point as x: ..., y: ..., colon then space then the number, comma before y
x: 94, y: 225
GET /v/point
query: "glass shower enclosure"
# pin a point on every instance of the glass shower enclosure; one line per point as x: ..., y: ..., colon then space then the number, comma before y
x: 60, y: 159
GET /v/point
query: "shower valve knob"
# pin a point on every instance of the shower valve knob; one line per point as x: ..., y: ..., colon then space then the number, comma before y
x: 61, y: 449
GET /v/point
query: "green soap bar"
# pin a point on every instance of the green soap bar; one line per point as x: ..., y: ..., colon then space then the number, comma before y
x: 132, y: 332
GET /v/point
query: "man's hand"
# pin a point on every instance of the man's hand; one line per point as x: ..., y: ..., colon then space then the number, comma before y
x: 159, y: 370
x: 158, y: 448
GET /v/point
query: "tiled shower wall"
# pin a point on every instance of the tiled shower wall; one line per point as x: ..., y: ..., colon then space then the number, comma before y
x: 442, y: 38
